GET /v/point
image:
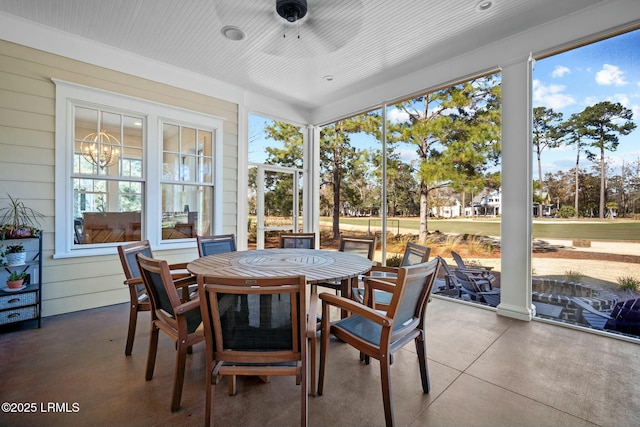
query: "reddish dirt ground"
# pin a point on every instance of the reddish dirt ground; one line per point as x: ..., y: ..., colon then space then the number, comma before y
x: 573, y: 254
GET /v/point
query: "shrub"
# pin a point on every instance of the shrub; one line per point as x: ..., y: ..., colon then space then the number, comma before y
x: 394, y: 260
x: 628, y: 283
x: 572, y: 276
x: 479, y: 246
x: 451, y: 243
x: 566, y: 212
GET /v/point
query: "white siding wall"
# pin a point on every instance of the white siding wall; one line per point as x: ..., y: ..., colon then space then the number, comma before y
x: 27, y: 163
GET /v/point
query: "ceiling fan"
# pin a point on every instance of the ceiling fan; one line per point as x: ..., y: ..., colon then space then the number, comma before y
x: 323, y: 26
x: 291, y: 10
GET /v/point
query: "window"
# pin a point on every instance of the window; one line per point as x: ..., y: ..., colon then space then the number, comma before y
x: 128, y: 169
x: 108, y: 186
x: 186, y: 181
x: 586, y: 168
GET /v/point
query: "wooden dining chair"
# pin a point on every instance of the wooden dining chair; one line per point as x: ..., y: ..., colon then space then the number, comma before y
x: 138, y: 298
x: 364, y: 246
x: 211, y: 245
x: 298, y: 241
x: 379, y: 335
x: 413, y: 254
x: 256, y: 326
x: 179, y: 320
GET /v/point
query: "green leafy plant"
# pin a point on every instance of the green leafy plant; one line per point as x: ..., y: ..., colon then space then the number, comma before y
x: 572, y: 276
x: 566, y: 212
x: 628, y: 283
x: 14, y: 249
x: 15, y: 275
x: 19, y: 220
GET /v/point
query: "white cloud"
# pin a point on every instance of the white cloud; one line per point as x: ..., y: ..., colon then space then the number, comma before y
x: 636, y: 112
x: 395, y: 115
x: 610, y: 75
x: 591, y: 100
x: 560, y: 71
x: 551, y: 96
x: 622, y: 98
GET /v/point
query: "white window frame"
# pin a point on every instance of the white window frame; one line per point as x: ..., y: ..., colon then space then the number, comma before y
x: 69, y: 94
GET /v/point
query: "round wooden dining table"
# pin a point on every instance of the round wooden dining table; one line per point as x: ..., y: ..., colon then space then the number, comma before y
x: 317, y: 265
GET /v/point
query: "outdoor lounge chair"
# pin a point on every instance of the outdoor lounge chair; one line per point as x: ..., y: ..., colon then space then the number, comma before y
x: 446, y: 283
x: 477, y: 288
x: 591, y: 316
x: 473, y: 270
x: 625, y: 316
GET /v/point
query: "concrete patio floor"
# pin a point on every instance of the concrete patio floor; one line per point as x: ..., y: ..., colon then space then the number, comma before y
x: 486, y: 370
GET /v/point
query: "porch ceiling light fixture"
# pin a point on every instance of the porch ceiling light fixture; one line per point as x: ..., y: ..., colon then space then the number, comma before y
x: 233, y: 33
x: 484, y: 5
x: 101, y: 149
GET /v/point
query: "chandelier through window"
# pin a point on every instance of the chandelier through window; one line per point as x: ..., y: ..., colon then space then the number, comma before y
x: 101, y: 149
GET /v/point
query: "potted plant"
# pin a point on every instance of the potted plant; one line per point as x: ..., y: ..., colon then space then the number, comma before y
x: 15, y: 255
x: 18, y: 220
x: 16, y: 279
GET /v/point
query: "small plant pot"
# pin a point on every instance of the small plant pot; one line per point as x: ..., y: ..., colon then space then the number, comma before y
x: 15, y: 259
x: 15, y: 284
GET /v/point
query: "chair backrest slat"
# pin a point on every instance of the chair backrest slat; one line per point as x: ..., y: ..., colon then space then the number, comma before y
x: 128, y: 254
x: 364, y: 246
x: 155, y: 273
x: 415, y: 284
x: 259, y: 320
x: 415, y: 254
x: 298, y: 241
x: 212, y: 245
x: 458, y: 259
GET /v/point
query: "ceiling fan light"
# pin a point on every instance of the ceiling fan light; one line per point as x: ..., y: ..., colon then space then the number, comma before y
x: 291, y: 10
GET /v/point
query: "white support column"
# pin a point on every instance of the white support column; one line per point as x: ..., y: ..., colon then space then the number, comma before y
x: 242, y: 216
x: 515, y: 281
x: 383, y: 207
x: 260, y: 209
x: 311, y: 203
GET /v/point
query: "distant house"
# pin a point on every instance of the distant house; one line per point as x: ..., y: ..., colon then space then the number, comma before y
x: 447, y: 207
x: 548, y: 208
x: 487, y: 203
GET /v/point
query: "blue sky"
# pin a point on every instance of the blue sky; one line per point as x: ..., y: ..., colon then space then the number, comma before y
x: 608, y: 70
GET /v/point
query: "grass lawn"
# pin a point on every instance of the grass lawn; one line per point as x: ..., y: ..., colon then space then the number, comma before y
x: 593, y: 229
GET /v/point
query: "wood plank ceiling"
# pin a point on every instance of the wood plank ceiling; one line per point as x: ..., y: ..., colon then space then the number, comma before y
x: 360, y: 43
